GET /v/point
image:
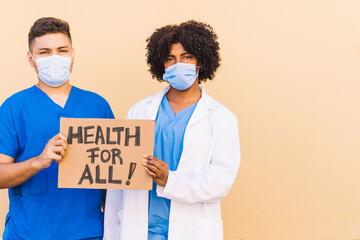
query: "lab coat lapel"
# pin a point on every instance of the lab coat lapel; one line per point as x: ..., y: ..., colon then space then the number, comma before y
x: 154, y: 103
x: 203, y: 108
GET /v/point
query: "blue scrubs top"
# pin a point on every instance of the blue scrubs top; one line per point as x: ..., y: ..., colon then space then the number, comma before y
x: 38, y: 208
x: 169, y: 137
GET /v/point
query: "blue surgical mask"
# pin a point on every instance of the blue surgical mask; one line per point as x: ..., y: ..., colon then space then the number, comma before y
x: 53, y: 70
x: 181, y: 75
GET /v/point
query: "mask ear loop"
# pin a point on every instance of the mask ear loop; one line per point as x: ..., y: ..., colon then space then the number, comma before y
x: 197, y: 69
x: 72, y: 53
x: 32, y: 56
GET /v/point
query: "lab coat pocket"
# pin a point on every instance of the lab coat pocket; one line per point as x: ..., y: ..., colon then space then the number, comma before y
x: 120, y: 215
x: 119, y: 220
x: 113, y: 225
x: 209, y: 229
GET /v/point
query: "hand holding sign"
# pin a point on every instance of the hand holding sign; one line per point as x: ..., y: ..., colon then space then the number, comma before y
x: 157, y: 169
x: 53, y: 151
x: 105, y: 153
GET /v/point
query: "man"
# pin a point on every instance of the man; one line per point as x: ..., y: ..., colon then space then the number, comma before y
x: 31, y: 145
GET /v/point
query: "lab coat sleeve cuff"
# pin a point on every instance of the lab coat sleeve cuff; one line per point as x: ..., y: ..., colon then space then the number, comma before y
x: 166, y: 191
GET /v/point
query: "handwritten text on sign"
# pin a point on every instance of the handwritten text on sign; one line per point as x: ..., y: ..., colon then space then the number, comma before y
x: 106, y: 153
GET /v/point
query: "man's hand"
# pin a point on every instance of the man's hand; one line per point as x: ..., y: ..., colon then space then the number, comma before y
x: 157, y: 169
x: 54, y: 150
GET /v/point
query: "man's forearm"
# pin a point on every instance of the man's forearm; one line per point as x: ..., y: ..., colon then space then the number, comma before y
x: 14, y: 174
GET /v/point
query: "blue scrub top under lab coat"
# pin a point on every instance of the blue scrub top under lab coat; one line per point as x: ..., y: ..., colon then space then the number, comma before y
x: 169, y: 137
x: 38, y: 208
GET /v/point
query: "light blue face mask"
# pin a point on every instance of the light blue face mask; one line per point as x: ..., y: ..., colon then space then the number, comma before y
x: 181, y: 75
x: 53, y: 70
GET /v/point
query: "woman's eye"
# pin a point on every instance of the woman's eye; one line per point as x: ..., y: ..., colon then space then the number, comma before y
x: 169, y: 59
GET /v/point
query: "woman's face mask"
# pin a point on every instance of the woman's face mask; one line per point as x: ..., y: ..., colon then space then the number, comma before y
x: 181, y: 76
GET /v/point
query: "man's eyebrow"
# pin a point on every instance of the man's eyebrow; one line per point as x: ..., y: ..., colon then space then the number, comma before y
x: 49, y: 48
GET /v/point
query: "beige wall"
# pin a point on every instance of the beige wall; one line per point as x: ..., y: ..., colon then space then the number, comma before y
x: 290, y: 72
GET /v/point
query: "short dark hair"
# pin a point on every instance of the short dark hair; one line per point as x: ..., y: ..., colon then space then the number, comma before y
x: 197, y: 38
x: 47, y: 25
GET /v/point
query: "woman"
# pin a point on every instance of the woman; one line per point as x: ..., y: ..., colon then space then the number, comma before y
x: 196, y: 153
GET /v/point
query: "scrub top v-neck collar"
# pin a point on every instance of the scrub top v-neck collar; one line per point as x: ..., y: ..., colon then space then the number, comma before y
x: 51, y: 102
x: 170, y: 111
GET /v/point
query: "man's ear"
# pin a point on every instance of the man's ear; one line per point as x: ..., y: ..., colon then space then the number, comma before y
x: 72, y: 60
x: 31, y: 61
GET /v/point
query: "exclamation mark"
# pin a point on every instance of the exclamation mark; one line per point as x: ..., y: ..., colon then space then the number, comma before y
x: 131, y: 172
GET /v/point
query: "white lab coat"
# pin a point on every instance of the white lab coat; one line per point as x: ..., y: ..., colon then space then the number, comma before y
x: 207, y: 169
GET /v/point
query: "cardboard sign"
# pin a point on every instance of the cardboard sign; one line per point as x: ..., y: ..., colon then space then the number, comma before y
x: 106, y: 153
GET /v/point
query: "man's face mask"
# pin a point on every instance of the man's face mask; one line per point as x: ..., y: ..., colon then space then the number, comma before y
x: 53, y: 70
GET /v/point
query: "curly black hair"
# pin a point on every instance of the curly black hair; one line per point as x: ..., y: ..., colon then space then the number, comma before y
x: 197, y: 38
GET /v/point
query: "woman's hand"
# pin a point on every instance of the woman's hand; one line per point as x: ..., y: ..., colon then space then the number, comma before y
x: 157, y: 169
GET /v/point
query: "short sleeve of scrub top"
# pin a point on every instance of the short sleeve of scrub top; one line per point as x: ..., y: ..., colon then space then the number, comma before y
x: 8, y: 137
